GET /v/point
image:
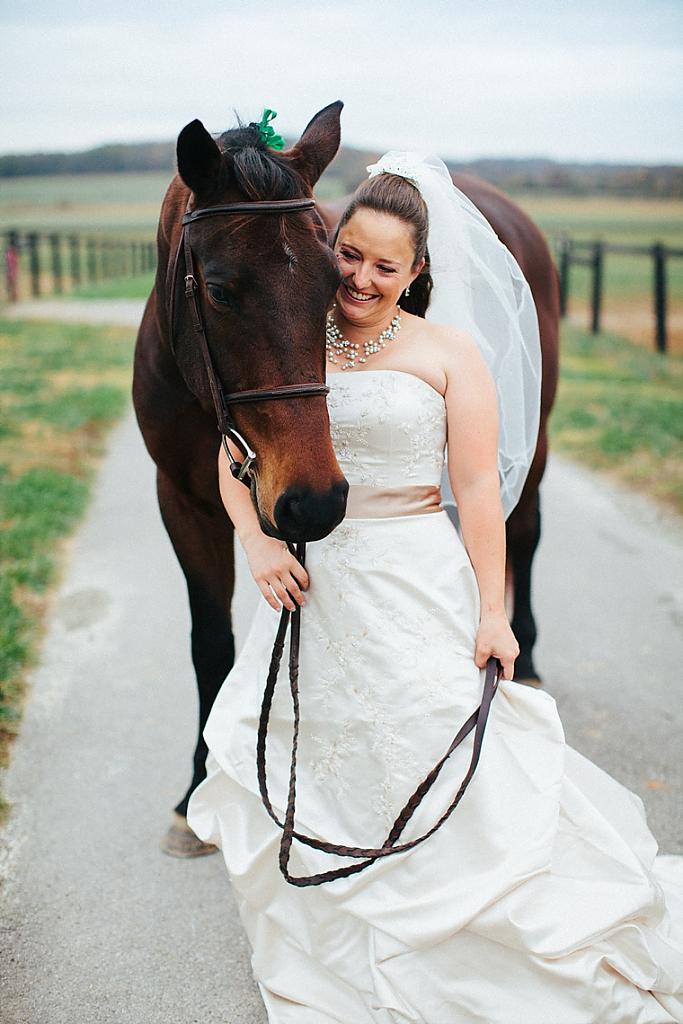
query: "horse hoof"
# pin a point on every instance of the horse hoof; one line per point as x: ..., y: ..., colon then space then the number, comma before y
x: 180, y: 841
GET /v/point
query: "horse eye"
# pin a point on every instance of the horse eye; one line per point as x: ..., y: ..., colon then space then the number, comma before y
x: 220, y: 295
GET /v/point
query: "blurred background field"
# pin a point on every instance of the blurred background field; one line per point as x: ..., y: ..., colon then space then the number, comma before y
x: 124, y: 206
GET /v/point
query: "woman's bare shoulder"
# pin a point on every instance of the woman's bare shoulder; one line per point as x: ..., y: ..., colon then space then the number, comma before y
x: 449, y: 347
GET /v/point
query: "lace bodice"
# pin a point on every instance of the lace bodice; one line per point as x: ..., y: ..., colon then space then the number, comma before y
x: 388, y: 428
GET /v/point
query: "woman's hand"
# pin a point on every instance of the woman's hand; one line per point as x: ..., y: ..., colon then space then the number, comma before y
x: 495, y: 637
x: 278, y: 573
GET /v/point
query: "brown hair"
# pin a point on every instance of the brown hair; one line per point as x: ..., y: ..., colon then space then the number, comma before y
x: 393, y: 194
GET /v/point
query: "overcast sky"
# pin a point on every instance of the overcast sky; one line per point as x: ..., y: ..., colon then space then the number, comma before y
x: 569, y: 79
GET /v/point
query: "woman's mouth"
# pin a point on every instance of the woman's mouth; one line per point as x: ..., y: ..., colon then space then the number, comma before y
x: 358, y: 296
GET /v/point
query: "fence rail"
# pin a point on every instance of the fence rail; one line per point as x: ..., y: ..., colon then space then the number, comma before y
x: 570, y: 252
x: 49, y: 263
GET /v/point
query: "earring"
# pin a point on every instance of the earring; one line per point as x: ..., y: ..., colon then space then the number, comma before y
x: 407, y: 291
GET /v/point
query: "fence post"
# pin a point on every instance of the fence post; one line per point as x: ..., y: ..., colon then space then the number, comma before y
x: 75, y: 254
x: 659, y: 256
x: 105, y: 249
x: 597, y: 262
x: 34, y: 263
x: 91, y: 258
x: 12, y: 265
x: 565, y: 264
x: 57, y: 272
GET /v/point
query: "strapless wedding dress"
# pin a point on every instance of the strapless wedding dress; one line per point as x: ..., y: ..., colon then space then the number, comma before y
x: 541, y: 900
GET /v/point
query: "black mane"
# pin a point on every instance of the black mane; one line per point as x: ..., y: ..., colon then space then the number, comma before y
x: 260, y: 172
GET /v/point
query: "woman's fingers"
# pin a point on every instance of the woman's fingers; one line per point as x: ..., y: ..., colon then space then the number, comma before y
x: 280, y: 591
x: 507, y: 659
x: 268, y: 594
x: 508, y: 667
x: 297, y: 572
x: 293, y: 587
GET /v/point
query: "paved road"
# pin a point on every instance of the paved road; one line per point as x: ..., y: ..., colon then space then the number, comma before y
x: 126, y: 312
x: 98, y: 925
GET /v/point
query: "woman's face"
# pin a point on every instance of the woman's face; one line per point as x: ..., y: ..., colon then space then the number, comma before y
x: 375, y: 254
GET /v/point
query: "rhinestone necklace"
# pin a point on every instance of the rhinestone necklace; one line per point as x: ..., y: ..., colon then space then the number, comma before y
x: 339, y: 346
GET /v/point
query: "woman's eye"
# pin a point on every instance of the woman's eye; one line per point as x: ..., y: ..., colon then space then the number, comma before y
x: 219, y: 295
x: 387, y: 270
x: 347, y: 255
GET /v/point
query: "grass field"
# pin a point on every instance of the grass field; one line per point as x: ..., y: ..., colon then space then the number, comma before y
x: 620, y: 409
x: 127, y: 206
x: 137, y: 287
x: 628, y: 302
x: 61, y: 388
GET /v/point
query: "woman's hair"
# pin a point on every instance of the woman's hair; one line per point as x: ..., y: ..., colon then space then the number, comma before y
x: 393, y: 194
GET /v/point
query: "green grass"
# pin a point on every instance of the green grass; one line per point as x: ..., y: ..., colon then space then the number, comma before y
x: 61, y: 388
x: 620, y: 409
x: 137, y: 287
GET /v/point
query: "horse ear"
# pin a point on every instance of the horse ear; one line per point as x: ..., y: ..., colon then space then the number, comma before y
x: 318, y: 143
x: 199, y: 158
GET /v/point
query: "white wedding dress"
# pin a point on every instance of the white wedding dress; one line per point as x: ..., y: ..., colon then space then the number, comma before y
x: 539, y: 901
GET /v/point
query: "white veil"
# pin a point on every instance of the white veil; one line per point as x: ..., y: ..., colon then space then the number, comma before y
x: 479, y: 287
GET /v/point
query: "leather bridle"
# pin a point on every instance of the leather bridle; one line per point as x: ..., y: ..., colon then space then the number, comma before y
x: 223, y: 401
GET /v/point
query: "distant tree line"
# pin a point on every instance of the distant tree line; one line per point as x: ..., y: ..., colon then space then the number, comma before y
x: 512, y: 175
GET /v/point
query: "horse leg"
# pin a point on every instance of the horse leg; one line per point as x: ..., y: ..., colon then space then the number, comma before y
x: 203, y: 542
x: 524, y: 532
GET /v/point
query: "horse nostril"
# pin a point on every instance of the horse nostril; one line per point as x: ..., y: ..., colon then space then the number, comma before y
x: 301, y: 514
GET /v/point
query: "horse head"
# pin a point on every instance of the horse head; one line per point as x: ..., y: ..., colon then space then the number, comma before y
x: 264, y: 282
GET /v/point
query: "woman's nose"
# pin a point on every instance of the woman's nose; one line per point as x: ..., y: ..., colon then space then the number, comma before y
x: 362, y: 278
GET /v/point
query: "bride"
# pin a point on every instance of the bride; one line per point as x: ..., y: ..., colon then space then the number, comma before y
x: 540, y: 900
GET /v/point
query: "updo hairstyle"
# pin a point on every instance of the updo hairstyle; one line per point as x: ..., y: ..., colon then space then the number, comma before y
x: 393, y: 194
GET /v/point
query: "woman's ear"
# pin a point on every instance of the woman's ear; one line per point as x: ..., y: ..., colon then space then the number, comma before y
x: 419, y: 268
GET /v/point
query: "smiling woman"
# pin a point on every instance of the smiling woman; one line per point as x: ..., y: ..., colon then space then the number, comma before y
x: 375, y: 253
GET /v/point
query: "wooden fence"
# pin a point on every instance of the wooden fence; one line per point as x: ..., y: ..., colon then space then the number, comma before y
x: 41, y: 263
x: 570, y: 252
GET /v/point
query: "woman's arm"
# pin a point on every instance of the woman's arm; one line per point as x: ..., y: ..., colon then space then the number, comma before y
x: 277, y: 572
x: 472, y: 414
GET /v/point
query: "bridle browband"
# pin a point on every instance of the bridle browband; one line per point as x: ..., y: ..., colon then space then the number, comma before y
x: 223, y: 401
x: 253, y: 206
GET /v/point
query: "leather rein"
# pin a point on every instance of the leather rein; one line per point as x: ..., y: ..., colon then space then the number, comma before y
x: 365, y: 856
x: 223, y: 401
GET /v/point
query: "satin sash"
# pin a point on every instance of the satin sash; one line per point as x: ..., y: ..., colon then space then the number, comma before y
x: 365, y: 502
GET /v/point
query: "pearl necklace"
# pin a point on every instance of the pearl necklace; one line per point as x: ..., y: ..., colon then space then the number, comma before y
x: 337, y: 345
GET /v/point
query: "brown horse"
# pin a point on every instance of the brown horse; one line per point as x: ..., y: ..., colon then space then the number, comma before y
x: 266, y: 285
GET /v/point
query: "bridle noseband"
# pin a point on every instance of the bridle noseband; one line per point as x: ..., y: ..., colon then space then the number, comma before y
x: 222, y: 401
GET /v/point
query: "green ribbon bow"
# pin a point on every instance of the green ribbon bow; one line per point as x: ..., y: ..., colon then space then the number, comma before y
x: 267, y: 133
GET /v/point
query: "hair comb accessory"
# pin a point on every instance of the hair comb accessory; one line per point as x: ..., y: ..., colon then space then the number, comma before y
x: 267, y: 133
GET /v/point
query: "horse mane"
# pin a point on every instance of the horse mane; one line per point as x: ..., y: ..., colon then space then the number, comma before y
x: 260, y: 172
